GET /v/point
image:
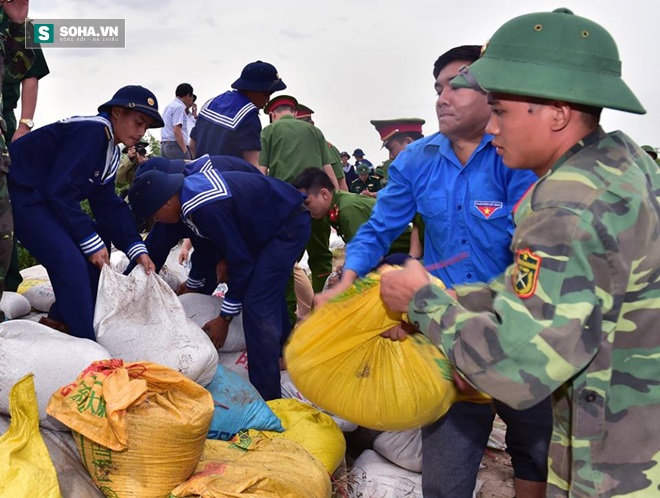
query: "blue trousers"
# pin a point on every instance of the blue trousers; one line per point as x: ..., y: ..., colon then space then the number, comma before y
x: 74, y: 279
x: 265, y: 317
x: 453, y: 446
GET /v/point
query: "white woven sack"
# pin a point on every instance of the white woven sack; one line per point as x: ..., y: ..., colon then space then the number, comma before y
x: 139, y: 318
x: 55, y: 359
x: 236, y: 362
x: 14, y: 305
x: 201, y: 308
x: 403, y: 448
x: 373, y: 475
x: 41, y: 296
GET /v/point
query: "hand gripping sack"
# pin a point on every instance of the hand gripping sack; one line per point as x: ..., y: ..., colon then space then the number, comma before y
x: 339, y: 361
x: 139, y: 427
x: 139, y: 318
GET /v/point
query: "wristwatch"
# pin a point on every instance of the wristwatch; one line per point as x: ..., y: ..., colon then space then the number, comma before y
x: 226, y: 317
x: 27, y: 122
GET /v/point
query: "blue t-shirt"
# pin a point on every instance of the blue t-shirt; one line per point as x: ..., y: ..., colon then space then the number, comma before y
x: 227, y: 125
x: 466, y: 210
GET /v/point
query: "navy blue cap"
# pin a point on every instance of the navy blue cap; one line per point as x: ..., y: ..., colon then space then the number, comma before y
x: 136, y: 98
x: 168, y: 166
x: 259, y: 77
x: 151, y: 190
x: 358, y: 153
x: 344, y: 154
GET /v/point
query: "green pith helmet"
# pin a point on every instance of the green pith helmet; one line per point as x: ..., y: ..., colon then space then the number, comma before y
x: 553, y: 55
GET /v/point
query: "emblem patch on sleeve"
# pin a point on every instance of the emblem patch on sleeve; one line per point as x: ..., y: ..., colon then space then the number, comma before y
x: 526, y: 273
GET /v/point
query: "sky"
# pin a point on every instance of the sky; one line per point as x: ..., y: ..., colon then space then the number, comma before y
x: 351, y: 61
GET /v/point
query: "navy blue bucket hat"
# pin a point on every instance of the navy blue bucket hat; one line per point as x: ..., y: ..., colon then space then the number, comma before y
x: 136, y: 98
x: 168, y: 166
x: 151, y: 190
x: 259, y: 77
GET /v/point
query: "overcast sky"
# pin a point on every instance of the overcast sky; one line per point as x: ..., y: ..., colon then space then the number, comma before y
x: 349, y: 60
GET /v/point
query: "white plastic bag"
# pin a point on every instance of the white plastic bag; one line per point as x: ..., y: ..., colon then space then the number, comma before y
x: 201, y: 308
x: 55, y: 359
x: 139, y: 318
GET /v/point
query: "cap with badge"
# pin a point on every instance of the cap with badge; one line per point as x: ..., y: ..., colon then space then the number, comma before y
x: 303, y: 112
x: 281, y: 100
x: 259, y: 76
x: 362, y: 169
x: 389, y: 128
x: 136, y: 98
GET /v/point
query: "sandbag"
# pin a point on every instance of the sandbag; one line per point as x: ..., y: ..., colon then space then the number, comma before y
x: 25, y: 466
x: 40, y: 294
x: 289, y: 390
x: 373, y: 475
x: 72, y: 475
x: 139, y: 427
x: 236, y: 362
x: 339, y: 361
x: 119, y: 261
x: 36, y: 272
x: 201, y: 308
x: 14, y: 305
x: 314, y: 430
x: 403, y: 448
x: 256, y: 467
x: 54, y: 358
x: 238, y: 406
x: 139, y: 318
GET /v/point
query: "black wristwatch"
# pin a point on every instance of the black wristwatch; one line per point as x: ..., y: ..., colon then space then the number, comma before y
x: 226, y: 317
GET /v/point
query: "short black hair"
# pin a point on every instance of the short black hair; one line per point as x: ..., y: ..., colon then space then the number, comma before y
x: 469, y: 53
x: 312, y: 180
x: 183, y: 89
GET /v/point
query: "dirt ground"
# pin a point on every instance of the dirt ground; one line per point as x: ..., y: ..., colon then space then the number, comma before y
x: 497, y: 475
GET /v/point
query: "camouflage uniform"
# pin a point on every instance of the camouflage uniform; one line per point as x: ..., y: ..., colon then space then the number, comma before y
x: 576, y: 315
x: 15, y: 61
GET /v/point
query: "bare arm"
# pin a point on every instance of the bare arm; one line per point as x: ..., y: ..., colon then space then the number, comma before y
x: 29, y: 92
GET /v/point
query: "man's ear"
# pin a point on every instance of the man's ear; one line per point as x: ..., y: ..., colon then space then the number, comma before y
x: 562, y: 113
x: 325, y: 193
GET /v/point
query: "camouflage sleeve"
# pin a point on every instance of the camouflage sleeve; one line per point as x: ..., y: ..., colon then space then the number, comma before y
x: 18, y: 58
x: 525, y: 334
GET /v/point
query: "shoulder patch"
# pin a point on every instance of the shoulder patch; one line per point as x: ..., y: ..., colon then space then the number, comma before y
x: 526, y: 273
x: 487, y: 208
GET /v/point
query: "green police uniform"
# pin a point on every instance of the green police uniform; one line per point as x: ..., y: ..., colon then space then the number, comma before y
x: 335, y: 162
x: 576, y: 315
x: 372, y: 184
x: 349, y: 211
x: 288, y: 147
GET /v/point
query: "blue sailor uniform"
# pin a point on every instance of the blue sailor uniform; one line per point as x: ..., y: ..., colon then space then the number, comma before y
x: 54, y: 168
x: 228, y: 124
x: 163, y: 236
x: 260, y: 226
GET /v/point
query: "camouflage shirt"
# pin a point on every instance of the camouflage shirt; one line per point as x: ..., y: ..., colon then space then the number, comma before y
x: 576, y: 315
x: 15, y: 62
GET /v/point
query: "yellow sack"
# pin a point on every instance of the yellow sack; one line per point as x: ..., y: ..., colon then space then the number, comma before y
x: 27, y: 284
x: 256, y: 467
x: 140, y: 428
x: 26, y: 469
x: 339, y: 361
x: 314, y: 430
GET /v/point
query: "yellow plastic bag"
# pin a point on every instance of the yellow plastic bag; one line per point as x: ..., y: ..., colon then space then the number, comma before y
x: 314, y: 430
x: 140, y: 428
x: 338, y: 360
x: 26, y: 469
x: 256, y: 468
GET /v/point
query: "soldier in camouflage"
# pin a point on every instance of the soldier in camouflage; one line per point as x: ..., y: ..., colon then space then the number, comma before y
x: 15, y: 61
x: 576, y: 314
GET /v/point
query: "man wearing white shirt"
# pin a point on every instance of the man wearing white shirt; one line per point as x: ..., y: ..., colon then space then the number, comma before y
x: 175, y: 134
